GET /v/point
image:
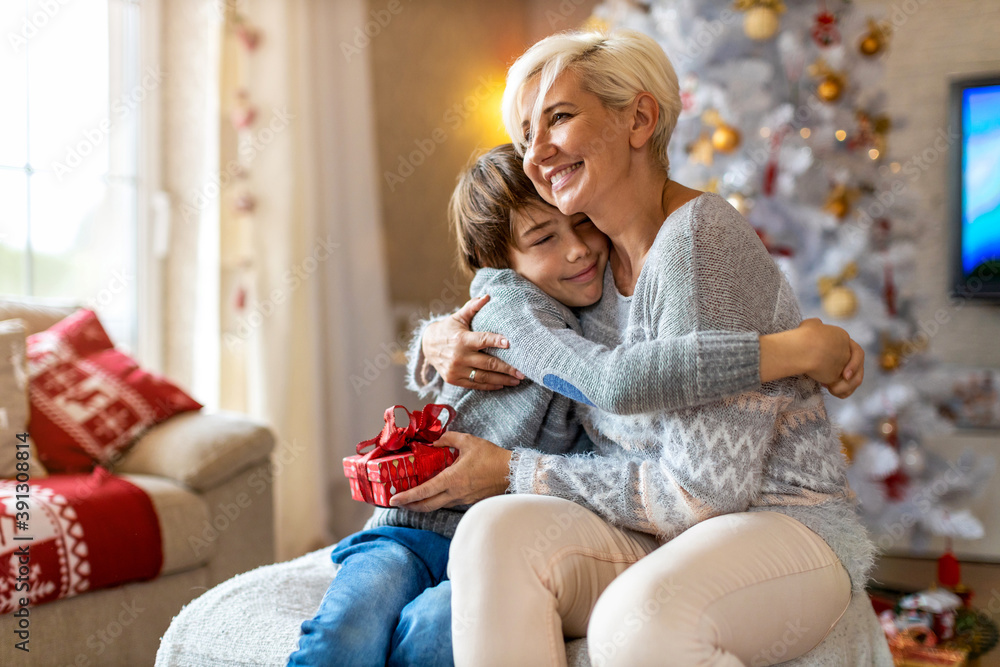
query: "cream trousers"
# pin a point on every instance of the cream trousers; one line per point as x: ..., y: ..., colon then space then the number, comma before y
x: 527, y: 572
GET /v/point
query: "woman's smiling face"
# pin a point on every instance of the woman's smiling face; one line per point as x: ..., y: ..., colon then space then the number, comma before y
x: 563, y: 255
x: 578, y: 150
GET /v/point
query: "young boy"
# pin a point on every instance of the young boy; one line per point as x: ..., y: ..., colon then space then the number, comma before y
x: 391, y: 597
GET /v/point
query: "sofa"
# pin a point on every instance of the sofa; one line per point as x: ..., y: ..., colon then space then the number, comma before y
x: 208, y: 478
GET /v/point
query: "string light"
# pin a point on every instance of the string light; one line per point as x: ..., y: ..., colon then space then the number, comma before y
x: 805, y: 132
x: 841, y: 135
x: 765, y: 132
x: 873, y: 153
x: 895, y: 166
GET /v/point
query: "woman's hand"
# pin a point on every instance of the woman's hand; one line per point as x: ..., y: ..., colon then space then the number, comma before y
x: 451, y: 347
x: 479, y: 472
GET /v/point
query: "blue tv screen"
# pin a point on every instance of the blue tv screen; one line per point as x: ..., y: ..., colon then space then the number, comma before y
x: 976, y: 187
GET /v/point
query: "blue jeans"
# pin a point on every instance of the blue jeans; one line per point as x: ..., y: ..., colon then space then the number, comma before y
x: 390, y: 603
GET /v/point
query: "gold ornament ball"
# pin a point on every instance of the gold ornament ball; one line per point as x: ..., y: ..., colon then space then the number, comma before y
x: 725, y: 139
x: 830, y: 89
x: 761, y: 23
x: 871, y: 45
x: 837, y: 206
x: 889, y: 360
x: 840, y: 303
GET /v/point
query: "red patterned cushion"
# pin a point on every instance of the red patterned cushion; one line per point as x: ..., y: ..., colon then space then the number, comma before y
x: 90, y: 401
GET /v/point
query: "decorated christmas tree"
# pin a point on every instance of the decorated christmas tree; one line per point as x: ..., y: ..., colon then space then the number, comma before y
x: 783, y: 115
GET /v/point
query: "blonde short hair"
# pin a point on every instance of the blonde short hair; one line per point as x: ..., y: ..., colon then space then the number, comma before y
x: 614, y: 66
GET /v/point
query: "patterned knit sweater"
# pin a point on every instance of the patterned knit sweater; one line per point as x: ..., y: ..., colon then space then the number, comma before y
x: 771, y: 448
x: 562, y: 366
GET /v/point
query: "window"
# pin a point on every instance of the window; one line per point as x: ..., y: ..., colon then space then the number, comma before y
x: 73, y: 90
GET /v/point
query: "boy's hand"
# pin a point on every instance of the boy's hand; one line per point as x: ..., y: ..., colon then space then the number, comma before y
x: 479, y: 472
x: 453, y: 349
x: 826, y: 350
x: 835, y: 360
x: 853, y: 375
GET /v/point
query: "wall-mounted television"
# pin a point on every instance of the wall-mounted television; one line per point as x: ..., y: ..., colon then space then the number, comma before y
x: 975, y: 187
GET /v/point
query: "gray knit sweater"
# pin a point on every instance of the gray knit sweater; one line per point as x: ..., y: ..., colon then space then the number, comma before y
x: 771, y: 448
x: 546, y: 344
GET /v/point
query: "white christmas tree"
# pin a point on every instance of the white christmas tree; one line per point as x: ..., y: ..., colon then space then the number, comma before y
x: 783, y: 115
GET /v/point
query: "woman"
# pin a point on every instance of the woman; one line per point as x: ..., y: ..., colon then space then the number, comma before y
x: 726, y: 510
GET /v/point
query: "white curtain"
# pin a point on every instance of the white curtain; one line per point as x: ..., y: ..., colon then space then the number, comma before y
x: 309, y: 257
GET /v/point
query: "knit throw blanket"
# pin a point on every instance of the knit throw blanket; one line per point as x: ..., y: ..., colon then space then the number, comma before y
x: 76, y: 533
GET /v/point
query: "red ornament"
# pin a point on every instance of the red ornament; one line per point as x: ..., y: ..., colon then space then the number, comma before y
x: 890, y: 290
x: 880, y: 234
x: 248, y: 35
x: 243, y: 114
x: 771, y: 170
x: 895, y: 485
x: 772, y: 249
x: 949, y: 572
x: 824, y: 31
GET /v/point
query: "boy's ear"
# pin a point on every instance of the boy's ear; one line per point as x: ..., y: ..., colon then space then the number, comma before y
x: 644, y: 114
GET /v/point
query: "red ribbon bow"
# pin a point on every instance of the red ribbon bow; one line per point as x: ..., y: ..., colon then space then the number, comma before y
x: 425, y: 427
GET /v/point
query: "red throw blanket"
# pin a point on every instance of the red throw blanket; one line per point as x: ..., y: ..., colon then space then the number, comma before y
x: 88, y: 531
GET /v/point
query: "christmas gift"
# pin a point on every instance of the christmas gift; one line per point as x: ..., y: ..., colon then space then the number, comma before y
x: 934, y: 608
x: 400, y: 458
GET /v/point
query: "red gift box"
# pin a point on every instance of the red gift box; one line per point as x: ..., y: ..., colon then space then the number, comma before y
x: 402, y: 458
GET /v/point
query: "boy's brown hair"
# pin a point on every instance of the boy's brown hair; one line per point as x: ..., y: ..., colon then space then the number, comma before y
x: 482, y: 207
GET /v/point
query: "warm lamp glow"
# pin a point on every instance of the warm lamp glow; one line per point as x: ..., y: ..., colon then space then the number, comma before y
x: 841, y: 135
x: 765, y: 132
x: 873, y: 153
x: 805, y: 132
x: 487, y: 121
